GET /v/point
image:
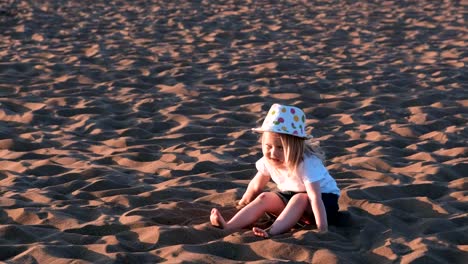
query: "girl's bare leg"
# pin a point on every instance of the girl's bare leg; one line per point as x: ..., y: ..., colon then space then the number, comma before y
x: 265, y: 202
x: 288, y: 217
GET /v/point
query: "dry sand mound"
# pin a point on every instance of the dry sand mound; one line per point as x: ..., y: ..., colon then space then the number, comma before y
x: 122, y: 123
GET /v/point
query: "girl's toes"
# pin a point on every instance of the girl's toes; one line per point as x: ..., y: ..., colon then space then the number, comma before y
x: 260, y: 232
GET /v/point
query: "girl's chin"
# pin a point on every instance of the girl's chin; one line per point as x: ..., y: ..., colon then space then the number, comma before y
x: 276, y: 162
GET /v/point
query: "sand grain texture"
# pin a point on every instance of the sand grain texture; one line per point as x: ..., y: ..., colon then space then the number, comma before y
x: 122, y: 123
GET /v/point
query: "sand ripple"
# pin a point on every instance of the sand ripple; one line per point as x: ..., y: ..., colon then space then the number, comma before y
x: 122, y: 125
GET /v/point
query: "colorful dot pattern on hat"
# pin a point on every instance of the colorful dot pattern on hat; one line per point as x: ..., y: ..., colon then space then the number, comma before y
x: 286, y: 120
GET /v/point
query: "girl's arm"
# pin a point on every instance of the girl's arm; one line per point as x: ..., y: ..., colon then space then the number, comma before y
x: 315, y: 197
x: 254, y: 188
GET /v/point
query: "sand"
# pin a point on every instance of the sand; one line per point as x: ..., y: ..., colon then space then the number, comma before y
x: 122, y: 123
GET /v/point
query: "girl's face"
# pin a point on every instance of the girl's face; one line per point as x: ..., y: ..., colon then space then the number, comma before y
x: 272, y: 148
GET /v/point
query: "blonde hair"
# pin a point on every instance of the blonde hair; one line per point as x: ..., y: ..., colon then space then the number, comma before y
x: 296, y: 148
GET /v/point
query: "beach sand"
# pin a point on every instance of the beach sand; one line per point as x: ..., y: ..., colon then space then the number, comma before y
x: 122, y: 123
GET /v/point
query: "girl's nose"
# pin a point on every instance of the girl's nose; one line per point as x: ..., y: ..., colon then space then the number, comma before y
x: 275, y: 152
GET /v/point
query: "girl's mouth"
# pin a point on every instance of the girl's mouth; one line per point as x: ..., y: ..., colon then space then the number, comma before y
x: 275, y: 160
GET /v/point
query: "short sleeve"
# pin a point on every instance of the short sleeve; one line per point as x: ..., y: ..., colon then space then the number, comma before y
x: 261, y: 167
x: 313, y: 170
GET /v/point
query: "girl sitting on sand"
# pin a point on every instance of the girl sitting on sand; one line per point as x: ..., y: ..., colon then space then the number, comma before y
x: 306, y: 189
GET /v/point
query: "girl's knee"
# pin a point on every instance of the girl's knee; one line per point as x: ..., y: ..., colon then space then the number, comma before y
x: 266, y: 199
x: 263, y: 196
x: 300, y: 198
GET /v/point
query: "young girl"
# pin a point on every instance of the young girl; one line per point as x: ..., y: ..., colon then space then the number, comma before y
x: 306, y: 189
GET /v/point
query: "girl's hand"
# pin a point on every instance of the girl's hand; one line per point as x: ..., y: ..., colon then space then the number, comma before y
x: 246, y: 199
x: 243, y: 202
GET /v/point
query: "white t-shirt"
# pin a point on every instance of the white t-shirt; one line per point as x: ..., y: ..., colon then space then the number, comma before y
x: 310, y: 170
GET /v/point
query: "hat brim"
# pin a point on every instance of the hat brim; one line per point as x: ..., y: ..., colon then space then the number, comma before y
x: 260, y: 130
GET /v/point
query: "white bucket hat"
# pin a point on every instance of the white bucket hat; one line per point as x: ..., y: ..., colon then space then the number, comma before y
x: 284, y: 119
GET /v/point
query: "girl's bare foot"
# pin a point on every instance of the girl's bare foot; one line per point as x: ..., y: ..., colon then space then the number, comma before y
x: 217, y: 219
x: 260, y: 232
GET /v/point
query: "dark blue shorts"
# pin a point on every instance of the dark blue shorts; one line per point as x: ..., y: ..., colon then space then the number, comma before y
x: 330, y: 201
